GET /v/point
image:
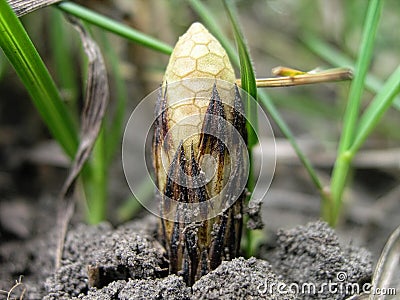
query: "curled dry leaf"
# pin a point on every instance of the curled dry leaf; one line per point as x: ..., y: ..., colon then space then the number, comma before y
x: 23, y: 7
x: 96, y: 99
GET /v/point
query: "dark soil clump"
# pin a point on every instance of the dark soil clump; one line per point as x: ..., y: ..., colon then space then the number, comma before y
x: 240, y: 279
x: 98, y: 255
x: 128, y: 263
x: 312, y: 254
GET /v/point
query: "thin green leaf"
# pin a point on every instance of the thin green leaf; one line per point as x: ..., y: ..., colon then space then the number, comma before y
x: 248, y: 83
x: 379, y: 105
x: 96, y: 183
x: 360, y: 72
x: 342, y: 165
x: 26, y: 61
x: 114, y: 27
x: 247, y: 76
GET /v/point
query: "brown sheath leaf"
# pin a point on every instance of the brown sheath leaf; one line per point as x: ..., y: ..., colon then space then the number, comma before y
x: 96, y: 99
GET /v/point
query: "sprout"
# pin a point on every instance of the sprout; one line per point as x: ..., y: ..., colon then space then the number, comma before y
x: 199, y: 156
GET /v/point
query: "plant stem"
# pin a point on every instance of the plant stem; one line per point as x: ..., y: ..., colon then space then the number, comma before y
x: 95, y: 182
x: 344, y: 158
x: 248, y: 83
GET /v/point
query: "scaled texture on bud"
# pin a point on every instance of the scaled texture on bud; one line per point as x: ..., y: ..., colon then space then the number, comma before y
x: 199, y: 156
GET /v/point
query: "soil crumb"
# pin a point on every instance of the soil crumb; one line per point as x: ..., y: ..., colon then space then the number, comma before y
x: 240, y: 279
x: 171, y: 287
x: 98, y: 255
x: 311, y: 257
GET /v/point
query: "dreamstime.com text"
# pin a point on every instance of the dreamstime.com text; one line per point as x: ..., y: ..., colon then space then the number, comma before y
x: 340, y: 286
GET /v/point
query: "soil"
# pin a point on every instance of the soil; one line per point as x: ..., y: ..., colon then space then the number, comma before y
x: 127, y: 262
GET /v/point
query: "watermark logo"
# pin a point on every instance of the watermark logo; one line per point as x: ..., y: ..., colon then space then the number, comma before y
x: 340, y: 286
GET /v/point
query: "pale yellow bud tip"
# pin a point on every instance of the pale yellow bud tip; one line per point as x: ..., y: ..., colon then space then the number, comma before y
x: 198, y: 54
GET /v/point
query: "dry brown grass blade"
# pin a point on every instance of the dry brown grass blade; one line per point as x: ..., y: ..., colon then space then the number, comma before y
x: 23, y: 7
x: 96, y: 99
x: 303, y: 79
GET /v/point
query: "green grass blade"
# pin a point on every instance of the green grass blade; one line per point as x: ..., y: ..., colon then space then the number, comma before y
x: 30, y: 68
x: 95, y: 182
x: 360, y: 72
x: 114, y: 27
x: 375, y: 110
x: 342, y: 165
x: 247, y: 76
x: 248, y: 81
x: 338, y: 59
